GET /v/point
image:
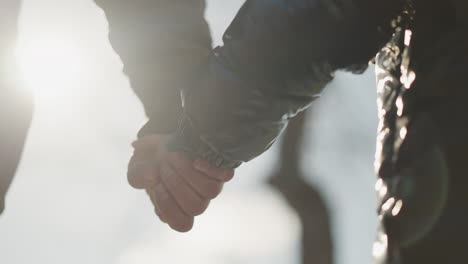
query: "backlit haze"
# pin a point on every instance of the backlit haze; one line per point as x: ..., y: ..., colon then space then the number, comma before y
x: 70, y: 202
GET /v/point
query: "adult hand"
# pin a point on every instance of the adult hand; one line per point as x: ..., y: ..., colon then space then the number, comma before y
x: 179, y: 188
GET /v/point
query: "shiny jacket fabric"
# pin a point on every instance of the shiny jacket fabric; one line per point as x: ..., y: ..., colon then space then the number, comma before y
x: 422, y: 146
x: 277, y: 57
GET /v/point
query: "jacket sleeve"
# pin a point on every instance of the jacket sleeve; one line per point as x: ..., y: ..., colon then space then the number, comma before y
x: 277, y: 57
x: 160, y: 42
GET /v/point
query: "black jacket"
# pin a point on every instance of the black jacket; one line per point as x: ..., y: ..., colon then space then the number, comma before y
x: 276, y: 59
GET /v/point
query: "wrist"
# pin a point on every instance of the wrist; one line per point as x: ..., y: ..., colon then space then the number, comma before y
x: 186, y: 139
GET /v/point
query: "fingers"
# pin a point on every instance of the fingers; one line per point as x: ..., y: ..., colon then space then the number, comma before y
x: 142, y: 165
x: 221, y: 174
x: 187, y: 199
x: 152, y: 196
x: 141, y: 172
x: 206, y: 187
x: 179, y: 188
x: 168, y: 210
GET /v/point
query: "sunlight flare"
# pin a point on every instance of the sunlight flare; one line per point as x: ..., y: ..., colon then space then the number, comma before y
x: 50, y: 66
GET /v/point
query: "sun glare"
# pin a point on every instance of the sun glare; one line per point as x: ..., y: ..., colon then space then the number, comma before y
x: 49, y: 66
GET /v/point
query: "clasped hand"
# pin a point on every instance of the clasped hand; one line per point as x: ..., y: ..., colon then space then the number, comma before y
x: 178, y: 187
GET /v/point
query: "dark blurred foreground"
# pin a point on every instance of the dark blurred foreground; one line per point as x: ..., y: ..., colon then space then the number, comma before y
x: 16, y: 105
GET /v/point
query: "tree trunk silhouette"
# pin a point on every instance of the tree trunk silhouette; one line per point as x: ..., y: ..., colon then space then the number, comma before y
x: 305, y: 199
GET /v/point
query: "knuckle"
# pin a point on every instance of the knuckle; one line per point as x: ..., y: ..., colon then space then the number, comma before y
x: 161, y: 194
x: 228, y: 175
x: 213, y: 191
x: 132, y: 179
x: 197, y: 208
x: 140, y: 174
x: 158, y: 214
x: 170, y: 177
x: 167, y: 174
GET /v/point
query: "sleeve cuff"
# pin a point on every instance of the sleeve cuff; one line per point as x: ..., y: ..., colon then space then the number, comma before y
x: 186, y: 139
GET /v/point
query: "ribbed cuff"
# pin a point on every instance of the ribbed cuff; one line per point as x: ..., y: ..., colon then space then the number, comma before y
x: 186, y: 139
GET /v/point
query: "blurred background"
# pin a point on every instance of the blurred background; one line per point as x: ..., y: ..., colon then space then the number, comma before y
x: 70, y: 202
